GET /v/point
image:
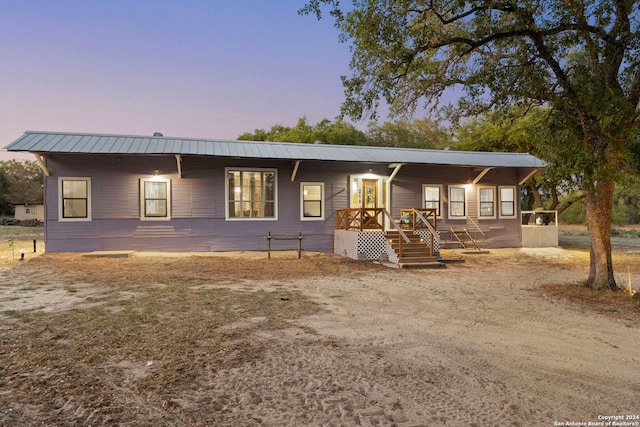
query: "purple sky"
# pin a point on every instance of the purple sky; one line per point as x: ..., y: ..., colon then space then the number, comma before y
x: 209, y: 69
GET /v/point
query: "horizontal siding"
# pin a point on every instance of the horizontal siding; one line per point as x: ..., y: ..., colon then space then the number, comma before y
x: 198, y: 203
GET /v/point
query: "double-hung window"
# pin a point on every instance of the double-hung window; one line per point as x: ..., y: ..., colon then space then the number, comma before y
x: 507, y: 202
x: 74, y: 199
x: 486, y: 200
x: 311, y: 201
x: 457, y: 202
x: 251, y: 193
x: 155, y: 199
x: 432, y: 198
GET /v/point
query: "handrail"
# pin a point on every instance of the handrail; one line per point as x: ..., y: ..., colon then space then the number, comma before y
x: 431, y: 228
x: 477, y: 226
x: 396, y: 226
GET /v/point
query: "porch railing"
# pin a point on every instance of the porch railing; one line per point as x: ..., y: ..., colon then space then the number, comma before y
x: 367, y: 219
x: 360, y: 219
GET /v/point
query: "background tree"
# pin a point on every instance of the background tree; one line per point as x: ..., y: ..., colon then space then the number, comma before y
x: 325, y: 130
x: 528, y: 131
x: 20, y: 183
x: 419, y: 133
x: 578, y: 57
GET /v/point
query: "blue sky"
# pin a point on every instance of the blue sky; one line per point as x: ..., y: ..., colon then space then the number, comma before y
x: 209, y: 69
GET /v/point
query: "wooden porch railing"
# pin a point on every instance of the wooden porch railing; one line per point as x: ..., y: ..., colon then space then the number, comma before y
x: 366, y: 219
x: 360, y: 219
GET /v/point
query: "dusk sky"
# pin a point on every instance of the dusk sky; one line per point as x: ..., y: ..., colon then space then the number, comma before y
x: 205, y: 69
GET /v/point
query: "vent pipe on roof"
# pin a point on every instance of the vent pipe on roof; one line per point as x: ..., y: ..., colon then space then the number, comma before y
x: 158, y: 134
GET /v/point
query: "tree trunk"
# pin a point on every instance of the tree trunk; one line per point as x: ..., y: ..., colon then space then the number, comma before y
x: 599, y: 206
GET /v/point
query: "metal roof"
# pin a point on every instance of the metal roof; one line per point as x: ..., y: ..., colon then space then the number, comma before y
x: 87, y: 143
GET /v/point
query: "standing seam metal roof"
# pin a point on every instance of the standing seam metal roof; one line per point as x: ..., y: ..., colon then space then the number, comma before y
x: 81, y: 143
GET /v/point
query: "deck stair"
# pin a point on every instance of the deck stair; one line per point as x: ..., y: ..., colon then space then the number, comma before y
x: 415, y: 253
x: 463, y: 237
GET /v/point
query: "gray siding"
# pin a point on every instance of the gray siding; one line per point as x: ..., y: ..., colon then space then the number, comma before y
x: 197, y: 206
x: 407, y: 192
x: 198, y: 203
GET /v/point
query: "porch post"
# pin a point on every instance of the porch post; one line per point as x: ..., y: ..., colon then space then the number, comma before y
x: 387, y: 202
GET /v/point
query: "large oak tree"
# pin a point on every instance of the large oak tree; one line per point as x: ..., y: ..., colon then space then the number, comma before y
x: 580, y: 58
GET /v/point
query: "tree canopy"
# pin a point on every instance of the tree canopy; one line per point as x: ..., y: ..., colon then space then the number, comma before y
x: 579, y: 58
x: 326, y: 131
x: 20, y: 183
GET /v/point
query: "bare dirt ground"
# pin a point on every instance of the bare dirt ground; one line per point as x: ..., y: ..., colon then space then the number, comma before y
x: 235, y: 339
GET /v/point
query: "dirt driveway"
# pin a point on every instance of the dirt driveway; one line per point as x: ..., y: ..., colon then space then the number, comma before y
x: 474, y: 344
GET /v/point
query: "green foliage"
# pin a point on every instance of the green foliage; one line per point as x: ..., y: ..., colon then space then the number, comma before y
x: 578, y: 59
x: 326, y: 131
x: 575, y: 214
x: 20, y: 182
x: 419, y: 133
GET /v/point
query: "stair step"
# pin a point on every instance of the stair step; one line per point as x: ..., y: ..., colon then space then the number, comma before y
x: 422, y: 259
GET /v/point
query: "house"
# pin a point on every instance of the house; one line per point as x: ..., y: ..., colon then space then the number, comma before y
x: 29, y: 211
x: 124, y: 192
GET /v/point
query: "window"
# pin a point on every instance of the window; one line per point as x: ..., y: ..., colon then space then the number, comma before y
x: 457, y: 202
x: 486, y: 199
x: 507, y: 202
x: 30, y: 211
x: 251, y: 194
x: 155, y: 199
x: 311, y: 201
x: 432, y: 198
x: 74, y: 199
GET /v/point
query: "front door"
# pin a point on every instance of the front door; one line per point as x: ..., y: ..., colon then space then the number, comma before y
x: 370, y: 193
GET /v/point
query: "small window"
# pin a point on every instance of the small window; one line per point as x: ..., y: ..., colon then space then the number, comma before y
x: 486, y: 199
x: 155, y: 199
x: 30, y: 210
x: 74, y: 199
x: 457, y: 202
x: 507, y: 202
x: 311, y: 201
x: 433, y: 198
x: 251, y: 194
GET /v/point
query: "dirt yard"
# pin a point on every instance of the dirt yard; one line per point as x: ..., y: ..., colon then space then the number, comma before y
x: 238, y: 340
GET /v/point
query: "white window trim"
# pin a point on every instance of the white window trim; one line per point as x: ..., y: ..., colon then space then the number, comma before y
x: 142, y: 200
x: 515, y: 202
x: 495, y: 200
x: 441, y: 202
x: 314, y: 218
x: 60, y: 198
x: 450, y: 187
x: 226, y: 194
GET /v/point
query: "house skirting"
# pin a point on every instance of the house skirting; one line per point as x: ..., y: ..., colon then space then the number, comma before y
x: 364, y: 245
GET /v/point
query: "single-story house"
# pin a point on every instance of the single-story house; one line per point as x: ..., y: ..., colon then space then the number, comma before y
x: 29, y: 211
x: 124, y: 192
